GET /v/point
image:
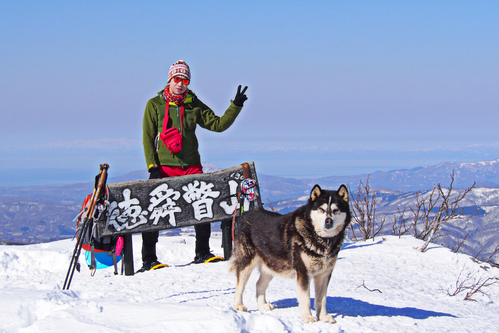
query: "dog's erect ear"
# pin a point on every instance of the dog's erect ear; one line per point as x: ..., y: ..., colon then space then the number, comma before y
x: 343, y: 193
x: 316, y: 192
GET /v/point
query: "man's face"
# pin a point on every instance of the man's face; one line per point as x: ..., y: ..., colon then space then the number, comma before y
x: 178, y: 88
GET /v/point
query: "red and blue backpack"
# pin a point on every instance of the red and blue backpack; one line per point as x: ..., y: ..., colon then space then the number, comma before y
x: 100, y: 252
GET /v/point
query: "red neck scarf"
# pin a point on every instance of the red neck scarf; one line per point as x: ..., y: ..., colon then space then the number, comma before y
x: 177, y: 99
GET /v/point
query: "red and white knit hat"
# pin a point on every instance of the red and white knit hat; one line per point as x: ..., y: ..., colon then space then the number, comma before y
x: 179, y: 68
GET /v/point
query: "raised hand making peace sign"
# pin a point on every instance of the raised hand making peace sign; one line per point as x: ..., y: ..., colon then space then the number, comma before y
x: 240, y: 96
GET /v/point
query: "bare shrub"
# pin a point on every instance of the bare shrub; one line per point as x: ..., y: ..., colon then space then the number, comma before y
x: 489, y: 259
x: 371, y: 290
x: 471, y: 283
x: 459, y: 244
x: 363, y: 208
x: 401, y: 225
x: 271, y: 206
x: 431, y: 211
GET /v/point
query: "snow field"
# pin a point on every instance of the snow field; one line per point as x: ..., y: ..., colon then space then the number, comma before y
x: 381, y: 286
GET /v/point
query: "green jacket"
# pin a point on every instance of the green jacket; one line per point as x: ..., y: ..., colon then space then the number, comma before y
x: 195, y: 113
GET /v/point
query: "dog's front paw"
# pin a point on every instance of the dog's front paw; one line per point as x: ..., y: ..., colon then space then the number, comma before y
x: 240, y: 307
x: 309, y: 319
x: 266, y: 307
x: 328, y: 319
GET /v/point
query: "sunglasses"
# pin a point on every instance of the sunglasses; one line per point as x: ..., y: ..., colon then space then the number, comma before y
x: 177, y: 79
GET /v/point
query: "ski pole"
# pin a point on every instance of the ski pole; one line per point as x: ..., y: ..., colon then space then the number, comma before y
x: 86, y: 223
x: 79, y: 233
x: 102, y: 176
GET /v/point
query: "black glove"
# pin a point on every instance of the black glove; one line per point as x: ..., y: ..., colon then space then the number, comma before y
x: 154, y: 173
x: 240, y: 96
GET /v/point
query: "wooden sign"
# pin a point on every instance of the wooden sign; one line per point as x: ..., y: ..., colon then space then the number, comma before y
x: 158, y: 204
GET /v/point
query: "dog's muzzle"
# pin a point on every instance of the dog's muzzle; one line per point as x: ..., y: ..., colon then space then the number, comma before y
x: 329, y: 223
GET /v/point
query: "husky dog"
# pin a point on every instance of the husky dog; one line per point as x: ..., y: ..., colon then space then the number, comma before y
x: 302, y: 245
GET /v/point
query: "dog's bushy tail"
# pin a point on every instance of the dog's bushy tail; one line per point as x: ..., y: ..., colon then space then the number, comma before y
x: 242, y: 255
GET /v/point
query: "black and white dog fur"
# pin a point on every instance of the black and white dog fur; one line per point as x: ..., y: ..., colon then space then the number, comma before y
x: 302, y: 245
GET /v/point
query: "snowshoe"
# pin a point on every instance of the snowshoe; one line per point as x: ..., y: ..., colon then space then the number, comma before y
x: 151, y: 266
x: 204, y: 258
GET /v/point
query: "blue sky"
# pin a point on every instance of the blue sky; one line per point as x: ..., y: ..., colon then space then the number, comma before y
x: 335, y: 87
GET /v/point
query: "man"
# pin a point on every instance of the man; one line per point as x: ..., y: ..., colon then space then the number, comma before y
x: 171, y: 146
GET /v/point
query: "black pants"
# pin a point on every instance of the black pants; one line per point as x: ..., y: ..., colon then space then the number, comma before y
x: 149, y: 240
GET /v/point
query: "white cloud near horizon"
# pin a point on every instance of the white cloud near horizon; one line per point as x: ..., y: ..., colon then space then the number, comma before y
x: 98, y: 144
x: 125, y: 144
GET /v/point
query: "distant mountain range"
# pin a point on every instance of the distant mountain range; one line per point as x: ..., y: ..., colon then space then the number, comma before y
x: 485, y: 174
x: 45, y: 213
x: 481, y: 231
